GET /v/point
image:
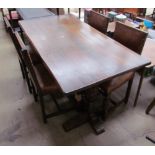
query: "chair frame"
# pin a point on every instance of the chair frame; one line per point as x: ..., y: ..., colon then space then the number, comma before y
x: 99, y: 25
x: 19, y: 45
x: 138, y: 51
x: 34, y: 85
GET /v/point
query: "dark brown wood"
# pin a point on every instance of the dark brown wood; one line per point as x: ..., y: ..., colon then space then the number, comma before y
x: 134, y: 39
x: 112, y: 25
x: 19, y: 45
x: 151, y: 105
x: 6, y: 23
x: 128, y: 91
x: 79, y: 13
x: 98, y: 21
x: 57, y: 11
x: 79, y: 56
x: 139, y: 85
x: 29, y: 13
x: 130, y: 37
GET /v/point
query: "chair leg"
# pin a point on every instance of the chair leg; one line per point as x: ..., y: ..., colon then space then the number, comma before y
x: 41, y: 100
x: 128, y: 91
x: 79, y: 13
x: 22, y: 36
x: 152, y: 104
x: 56, y: 103
x: 139, y: 86
x: 27, y: 80
x: 22, y: 69
x: 34, y: 92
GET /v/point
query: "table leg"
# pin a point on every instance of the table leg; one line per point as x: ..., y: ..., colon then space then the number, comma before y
x: 139, y: 86
x: 58, y: 11
x: 79, y: 13
x: 86, y: 114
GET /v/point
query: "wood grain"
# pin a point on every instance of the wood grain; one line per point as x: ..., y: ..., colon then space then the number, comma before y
x: 78, y: 55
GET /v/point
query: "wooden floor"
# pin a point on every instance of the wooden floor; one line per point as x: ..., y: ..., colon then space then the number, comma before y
x: 20, y: 117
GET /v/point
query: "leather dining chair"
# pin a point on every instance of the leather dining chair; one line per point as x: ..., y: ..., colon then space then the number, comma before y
x: 20, y: 58
x: 133, y: 39
x: 42, y: 80
x: 98, y: 21
x: 36, y: 58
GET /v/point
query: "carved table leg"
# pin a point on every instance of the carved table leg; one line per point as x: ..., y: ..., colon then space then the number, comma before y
x: 87, y: 113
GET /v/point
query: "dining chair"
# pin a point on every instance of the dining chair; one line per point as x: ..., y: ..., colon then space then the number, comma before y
x: 130, y: 37
x: 11, y: 16
x: 18, y: 45
x: 36, y: 58
x: 6, y: 23
x: 98, y: 21
x: 42, y: 80
x: 133, y: 39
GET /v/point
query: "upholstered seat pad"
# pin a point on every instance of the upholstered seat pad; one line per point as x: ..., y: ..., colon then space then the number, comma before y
x: 116, y: 82
x: 45, y: 80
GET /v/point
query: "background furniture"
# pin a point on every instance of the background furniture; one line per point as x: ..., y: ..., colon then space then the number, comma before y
x: 12, y: 16
x: 148, y: 52
x: 134, y: 11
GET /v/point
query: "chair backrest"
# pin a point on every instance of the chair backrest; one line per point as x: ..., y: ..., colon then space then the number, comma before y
x: 130, y: 37
x: 7, y: 23
x: 18, y: 42
x: 86, y: 14
x: 25, y: 54
x: 98, y: 21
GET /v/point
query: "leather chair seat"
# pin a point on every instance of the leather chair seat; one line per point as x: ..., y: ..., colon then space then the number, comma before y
x: 46, y: 82
x: 116, y: 82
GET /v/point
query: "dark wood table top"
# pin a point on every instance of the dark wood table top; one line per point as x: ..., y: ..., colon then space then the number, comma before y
x: 78, y: 55
x: 29, y: 13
